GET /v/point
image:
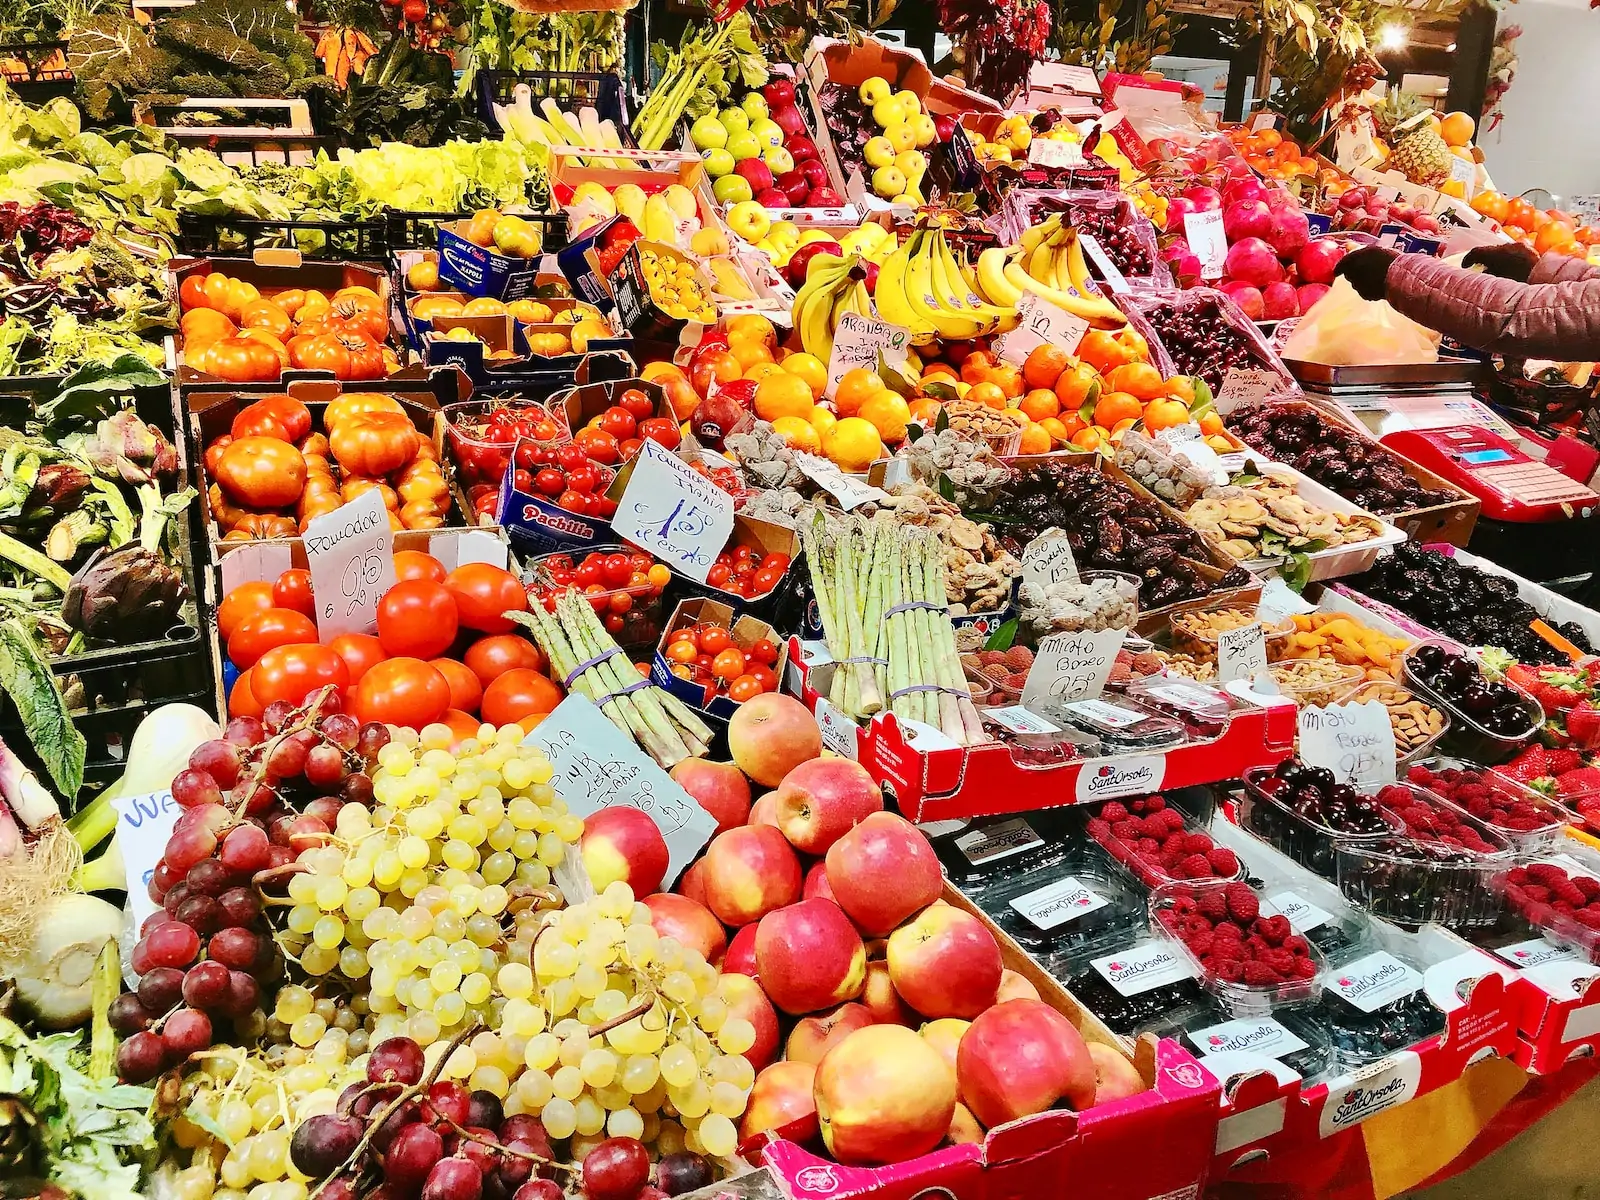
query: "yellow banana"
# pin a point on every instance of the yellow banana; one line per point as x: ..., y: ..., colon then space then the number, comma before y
x: 928, y: 304
x: 1098, y: 312
x: 891, y: 293
x: 813, y: 304
x: 1077, y: 267
x: 992, y: 279
x: 1040, y: 263
x: 948, y: 274
x: 1035, y: 234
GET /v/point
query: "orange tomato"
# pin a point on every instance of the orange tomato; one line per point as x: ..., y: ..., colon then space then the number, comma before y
x: 1553, y: 236
x: 264, y: 314
x: 202, y: 326
x: 1165, y: 414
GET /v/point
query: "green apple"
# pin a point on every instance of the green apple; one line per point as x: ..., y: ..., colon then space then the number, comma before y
x: 779, y: 159
x: 744, y: 145
x: 768, y: 132
x: 732, y: 189
x: 718, y: 162
x: 734, y: 120
x: 754, y: 105
x: 749, y: 220
x: 708, y: 133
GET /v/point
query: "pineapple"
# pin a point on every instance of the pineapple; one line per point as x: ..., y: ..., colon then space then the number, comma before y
x: 1419, y: 153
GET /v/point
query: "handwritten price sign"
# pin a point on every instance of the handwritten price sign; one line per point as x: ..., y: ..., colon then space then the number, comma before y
x: 1041, y: 324
x: 351, y: 555
x: 1207, y: 240
x: 859, y: 340
x: 682, y: 518
x: 1072, y: 666
x: 1241, y: 652
x: 1048, y: 559
x: 1054, y: 152
x: 1354, y: 741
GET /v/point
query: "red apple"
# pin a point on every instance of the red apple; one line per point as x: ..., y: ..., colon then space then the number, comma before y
x: 813, y: 1037
x: 713, y: 365
x: 741, y: 956
x: 882, y: 872
x: 745, y: 998
x: 809, y: 956
x: 778, y: 92
x: 822, y: 800
x: 794, y: 187
x: 811, y: 167
x: 800, y: 261
x: 719, y: 788
x: 880, y: 998
x: 826, y: 197
x: 787, y: 118
x: 883, y: 1095
x: 772, y: 197
x: 750, y: 871
x: 782, y: 1101
x: 765, y: 811
x: 623, y: 843
x: 716, y: 417
x: 1020, y: 1058
x: 770, y: 735
x: 689, y: 922
x: 871, y: 278
x: 1114, y: 1076
x: 755, y: 172
x: 945, y: 963
x: 816, y: 884
x: 944, y: 127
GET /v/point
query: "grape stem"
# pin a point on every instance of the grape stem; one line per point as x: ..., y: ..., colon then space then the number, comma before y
x: 468, y: 1135
x: 406, y: 1093
x: 638, y: 1010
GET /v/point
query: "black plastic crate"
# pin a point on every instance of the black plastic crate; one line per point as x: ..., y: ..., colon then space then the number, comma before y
x: 333, y: 240
x: 572, y: 90
x: 417, y: 230
x: 18, y: 394
x: 34, y: 72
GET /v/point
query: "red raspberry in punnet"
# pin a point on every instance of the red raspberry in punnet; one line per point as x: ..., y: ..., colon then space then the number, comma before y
x: 1156, y: 845
x: 1495, y: 803
x: 1270, y: 953
x: 1242, y: 903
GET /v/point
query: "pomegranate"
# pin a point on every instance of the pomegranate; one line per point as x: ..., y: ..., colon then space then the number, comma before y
x: 1317, y: 259
x: 1204, y: 198
x: 1246, y: 219
x: 1278, y: 300
x: 1289, y: 231
x: 1247, y: 297
x: 1251, y: 260
x: 1308, y: 294
x: 1247, y: 188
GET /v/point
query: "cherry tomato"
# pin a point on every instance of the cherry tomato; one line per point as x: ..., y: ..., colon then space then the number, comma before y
x: 618, y: 422
x: 360, y: 651
x: 598, y: 445
x: 742, y: 552
x: 571, y: 456
x: 659, y: 575
x: 293, y: 590
x: 775, y: 562
x: 583, y: 479
x: 728, y: 664
x: 661, y: 429
x: 628, y: 447
x: 617, y: 569
x: 744, y: 688
x: 589, y: 571
x: 483, y: 592
x: 246, y: 600
x: 765, y: 677
x: 491, y: 657
x: 715, y: 639
x: 620, y: 603
x: 401, y: 691
x: 717, y: 577
x: 637, y: 403
x: 292, y: 673
x: 465, y: 690
x: 414, y: 564
x: 682, y: 651
x: 517, y: 694
x: 764, y: 581
x: 572, y: 501
x: 417, y: 618
x: 764, y: 650
x: 257, y: 634
x: 549, y: 481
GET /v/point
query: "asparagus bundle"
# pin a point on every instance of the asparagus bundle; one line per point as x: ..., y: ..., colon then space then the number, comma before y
x: 880, y: 593
x: 574, y: 638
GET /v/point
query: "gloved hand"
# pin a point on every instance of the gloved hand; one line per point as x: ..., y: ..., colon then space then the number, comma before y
x: 1512, y: 260
x: 1367, y: 269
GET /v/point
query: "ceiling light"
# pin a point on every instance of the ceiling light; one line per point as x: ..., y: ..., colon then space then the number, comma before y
x: 1392, y: 37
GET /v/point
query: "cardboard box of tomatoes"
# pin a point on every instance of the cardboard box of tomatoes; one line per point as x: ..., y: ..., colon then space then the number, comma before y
x: 714, y: 660
x: 543, y: 518
x: 757, y: 572
x: 588, y: 260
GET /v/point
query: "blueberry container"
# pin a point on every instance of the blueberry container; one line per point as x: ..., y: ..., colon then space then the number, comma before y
x: 1310, y: 843
x: 981, y: 853
x: 1467, y: 737
x: 1076, y: 905
x: 1226, y: 1045
x: 1518, y: 813
x: 1336, y: 931
x: 1139, y: 843
x: 1122, y: 726
x: 1172, y: 904
x: 1131, y: 984
x: 1372, y: 1006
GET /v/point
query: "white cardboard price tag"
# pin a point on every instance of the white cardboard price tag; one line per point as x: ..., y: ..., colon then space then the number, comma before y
x: 351, y: 555
x: 1464, y: 173
x: 1241, y: 652
x: 1187, y: 442
x: 144, y: 823
x: 679, y: 516
x: 1354, y: 741
x: 1048, y: 559
x: 1051, y: 152
x: 850, y: 493
x: 1263, y: 120
x: 1072, y: 666
x: 1115, y: 279
x: 1207, y: 241
x: 1041, y: 324
x: 1278, y: 600
x: 838, y: 731
x: 1243, y: 384
x: 598, y: 766
x: 859, y: 340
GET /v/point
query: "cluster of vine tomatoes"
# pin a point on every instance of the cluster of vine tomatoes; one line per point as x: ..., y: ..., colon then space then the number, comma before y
x: 745, y: 571
x: 706, y: 653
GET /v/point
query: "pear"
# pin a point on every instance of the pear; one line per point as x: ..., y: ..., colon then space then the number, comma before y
x: 708, y: 242
x: 630, y: 199
x: 682, y: 200
x: 659, y: 223
x: 598, y: 198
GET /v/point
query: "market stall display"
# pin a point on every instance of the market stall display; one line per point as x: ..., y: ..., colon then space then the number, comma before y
x: 584, y: 668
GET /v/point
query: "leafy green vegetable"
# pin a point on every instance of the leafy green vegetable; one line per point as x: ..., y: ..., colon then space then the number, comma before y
x: 26, y: 679
x: 87, y: 394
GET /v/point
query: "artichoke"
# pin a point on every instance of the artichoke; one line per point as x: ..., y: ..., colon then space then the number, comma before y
x: 126, y: 595
x: 58, y: 487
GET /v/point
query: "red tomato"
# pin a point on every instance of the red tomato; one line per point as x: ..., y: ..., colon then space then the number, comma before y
x: 764, y: 676
x: 360, y: 651
x: 417, y: 619
x: 241, y: 700
x: 746, y: 687
x: 414, y: 564
x: 618, y: 422
x: 637, y: 403
x: 255, y: 635
x: 462, y: 725
x: 764, y: 650
x: 465, y: 690
x: 661, y: 429
x: 729, y: 664
x: 598, y: 445
x: 518, y: 693
x: 482, y: 592
x: 714, y: 639
x: 294, y: 672
x: 293, y: 590
x: 491, y: 657
x: 401, y: 691
x: 550, y: 481
x: 246, y: 600
x: 764, y: 581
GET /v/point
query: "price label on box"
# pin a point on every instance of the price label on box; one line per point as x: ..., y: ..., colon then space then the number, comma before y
x: 1052, y: 152
x: 1040, y: 323
x: 850, y: 493
x: 1465, y: 172
x: 351, y: 555
x: 1207, y: 241
x: 1109, y: 271
x: 858, y: 341
x: 1072, y: 666
x: 1354, y: 741
x: 676, y: 514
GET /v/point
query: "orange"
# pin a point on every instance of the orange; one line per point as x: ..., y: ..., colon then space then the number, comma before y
x: 1055, y: 428
x: 661, y: 369
x: 753, y: 326
x: 1116, y: 406
x: 1270, y: 138
x: 1044, y: 365
x: 1133, y: 345
x: 1072, y: 389
x: 798, y: 434
x: 888, y: 414
x: 1035, y: 439
x: 976, y: 366
x: 1181, y: 387
x: 856, y: 387
x: 1039, y: 404
x: 749, y: 351
x: 1014, y: 414
x: 1211, y: 424
x: 1102, y: 351
x: 988, y: 394
x: 1009, y: 379
x: 782, y: 395
x: 1165, y: 414
x: 810, y: 368
x: 822, y: 420
x: 925, y: 410
x: 1137, y: 379
x: 762, y: 370
x: 1457, y: 128
x: 1120, y: 428
x: 1091, y: 438
x: 853, y: 444
x: 939, y: 370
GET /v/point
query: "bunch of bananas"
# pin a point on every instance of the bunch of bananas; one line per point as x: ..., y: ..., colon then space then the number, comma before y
x: 834, y: 286
x: 1047, y: 260
x: 924, y: 287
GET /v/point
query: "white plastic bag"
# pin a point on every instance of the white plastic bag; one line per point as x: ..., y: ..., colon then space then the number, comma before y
x: 1343, y: 330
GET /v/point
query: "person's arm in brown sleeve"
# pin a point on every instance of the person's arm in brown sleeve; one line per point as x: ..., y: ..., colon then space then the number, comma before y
x: 1521, y: 320
x: 1561, y: 268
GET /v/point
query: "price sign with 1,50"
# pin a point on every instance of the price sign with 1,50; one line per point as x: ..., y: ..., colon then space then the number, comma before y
x: 1040, y: 323
x: 679, y: 516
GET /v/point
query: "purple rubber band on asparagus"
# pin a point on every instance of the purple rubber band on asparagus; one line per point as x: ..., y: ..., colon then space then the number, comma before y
x: 912, y: 605
x: 578, y: 670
